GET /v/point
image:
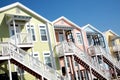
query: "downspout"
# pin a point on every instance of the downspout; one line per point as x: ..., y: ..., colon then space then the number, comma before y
x: 50, y: 47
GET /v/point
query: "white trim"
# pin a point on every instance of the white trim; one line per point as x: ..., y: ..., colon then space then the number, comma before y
x: 17, y: 4
x: 88, y: 25
x: 40, y: 32
x: 112, y: 32
x: 44, y: 57
x: 37, y: 56
x: 62, y: 17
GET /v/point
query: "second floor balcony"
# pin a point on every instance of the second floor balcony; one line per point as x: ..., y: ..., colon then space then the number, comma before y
x: 65, y: 48
x: 23, y: 40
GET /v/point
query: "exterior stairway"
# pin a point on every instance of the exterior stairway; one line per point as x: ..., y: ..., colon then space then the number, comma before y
x: 84, y: 59
x: 25, y: 61
x: 106, y: 57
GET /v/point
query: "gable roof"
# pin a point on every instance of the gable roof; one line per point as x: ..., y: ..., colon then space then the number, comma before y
x: 67, y: 20
x: 90, y: 26
x: 112, y: 32
x: 17, y: 4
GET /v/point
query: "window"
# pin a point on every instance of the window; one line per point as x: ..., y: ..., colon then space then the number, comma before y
x: 79, y: 38
x: 32, y: 32
x: 61, y: 38
x: 36, y: 56
x: 43, y: 33
x: 47, y: 59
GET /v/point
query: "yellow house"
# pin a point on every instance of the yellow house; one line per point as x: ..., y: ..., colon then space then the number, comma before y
x: 26, y: 44
x: 113, y: 41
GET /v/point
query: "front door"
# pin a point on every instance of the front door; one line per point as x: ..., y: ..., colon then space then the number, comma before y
x: 12, y: 32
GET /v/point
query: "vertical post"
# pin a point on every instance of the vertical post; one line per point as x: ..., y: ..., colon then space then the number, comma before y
x: 90, y: 74
x: 74, y: 71
x: 65, y: 61
x: 115, y: 72
x: 9, y: 66
x: 15, y: 32
x: 79, y: 72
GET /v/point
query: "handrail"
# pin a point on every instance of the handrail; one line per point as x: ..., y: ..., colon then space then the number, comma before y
x: 83, y: 56
x: 29, y: 61
x: 21, y: 38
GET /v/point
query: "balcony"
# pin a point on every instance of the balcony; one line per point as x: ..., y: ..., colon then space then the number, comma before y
x: 65, y: 48
x: 116, y: 48
x: 23, y: 40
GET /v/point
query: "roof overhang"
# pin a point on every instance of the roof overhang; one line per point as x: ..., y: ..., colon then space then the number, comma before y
x: 17, y: 4
x: 114, y: 38
x: 10, y: 17
x: 63, y: 27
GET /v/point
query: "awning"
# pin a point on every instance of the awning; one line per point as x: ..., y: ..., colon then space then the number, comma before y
x: 10, y: 17
x: 63, y: 27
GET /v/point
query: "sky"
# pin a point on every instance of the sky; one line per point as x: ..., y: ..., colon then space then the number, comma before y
x: 102, y: 14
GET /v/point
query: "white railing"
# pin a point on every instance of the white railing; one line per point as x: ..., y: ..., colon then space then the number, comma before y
x: 21, y: 38
x: 64, y: 48
x: 109, y: 57
x: 116, y: 48
x: 89, y: 61
x: 101, y: 51
x: 8, y: 49
x: 71, y: 47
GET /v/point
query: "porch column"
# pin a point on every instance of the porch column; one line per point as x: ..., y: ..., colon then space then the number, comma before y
x: 115, y: 72
x: 90, y: 74
x: 15, y: 32
x: 65, y: 62
x: 79, y: 72
x: 74, y: 71
x: 9, y: 66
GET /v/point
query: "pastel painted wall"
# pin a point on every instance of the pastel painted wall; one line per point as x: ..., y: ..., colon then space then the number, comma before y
x: 38, y: 45
x: 109, y: 36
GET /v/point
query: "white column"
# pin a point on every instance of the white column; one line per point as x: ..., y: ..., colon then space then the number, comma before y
x: 9, y: 66
x: 74, y: 71
x: 90, y: 74
x: 115, y: 72
x: 65, y: 62
x: 79, y: 72
x: 15, y: 32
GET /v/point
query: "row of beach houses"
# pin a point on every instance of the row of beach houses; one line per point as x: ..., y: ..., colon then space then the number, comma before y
x: 34, y: 48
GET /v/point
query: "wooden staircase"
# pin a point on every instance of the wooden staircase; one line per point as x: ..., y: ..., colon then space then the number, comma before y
x: 83, y: 59
x: 107, y: 58
x: 26, y: 62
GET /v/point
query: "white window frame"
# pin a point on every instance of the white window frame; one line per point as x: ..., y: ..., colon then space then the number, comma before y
x: 36, y: 56
x: 59, y: 36
x: 78, y: 39
x: 40, y: 32
x: 49, y: 56
x: 31, y: 33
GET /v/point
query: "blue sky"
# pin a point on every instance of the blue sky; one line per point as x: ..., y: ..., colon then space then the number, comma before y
x: 102, y: 14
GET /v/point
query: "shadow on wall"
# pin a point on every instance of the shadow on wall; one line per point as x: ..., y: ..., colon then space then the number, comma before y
x: 4, y: 31
x: 56, y: 59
